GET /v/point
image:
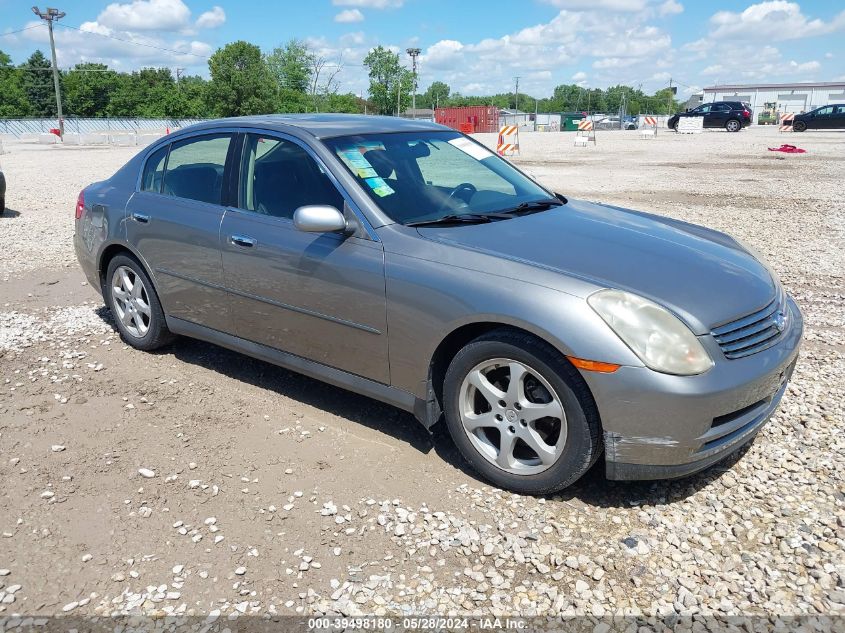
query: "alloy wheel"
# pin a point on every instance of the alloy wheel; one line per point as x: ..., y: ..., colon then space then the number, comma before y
x: 733, y: 126
x: 130, y: 301
x: 512, y: 416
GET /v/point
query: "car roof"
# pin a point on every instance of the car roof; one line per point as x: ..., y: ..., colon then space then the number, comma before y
x: 325, y: 125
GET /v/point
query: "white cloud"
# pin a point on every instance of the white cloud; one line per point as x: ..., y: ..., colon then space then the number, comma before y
x: 146, y: 15
x: 806, y: 67
x: 670, y: 7
x: 211, y: 19
x: 579, y: 76
x: 348, y: 16
x: 771, y: 20
x: 828, y: 55
x: 369, y: 4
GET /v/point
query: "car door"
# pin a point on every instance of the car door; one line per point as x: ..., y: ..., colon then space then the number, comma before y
x: 718, y: 115
x: 320, y: 296
x: 838, y: 118
x: 702, y: 111
x: 823, y: 118
x: 174, y: 224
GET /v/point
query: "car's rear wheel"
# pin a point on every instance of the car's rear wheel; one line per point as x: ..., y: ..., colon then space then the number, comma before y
x: 133, y: 301
x: 520, y: 414
x: 799, y: 126
x: 733, y: 126
x: 675, y: 127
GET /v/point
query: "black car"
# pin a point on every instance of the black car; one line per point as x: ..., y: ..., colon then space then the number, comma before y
x: 2, y: 193
x: 731, y: 115
x: 829, y: 117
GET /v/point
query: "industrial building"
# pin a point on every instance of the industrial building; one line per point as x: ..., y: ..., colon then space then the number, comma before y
x: 768, y: 100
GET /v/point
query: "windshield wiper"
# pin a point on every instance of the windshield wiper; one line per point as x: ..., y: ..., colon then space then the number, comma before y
x: 462, y: 218
x: 533, y: 206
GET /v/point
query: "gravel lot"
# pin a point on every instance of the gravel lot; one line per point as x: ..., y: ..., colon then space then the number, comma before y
x: 196, y: 481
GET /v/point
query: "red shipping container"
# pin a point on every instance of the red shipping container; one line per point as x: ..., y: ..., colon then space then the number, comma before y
x: 469, y: 119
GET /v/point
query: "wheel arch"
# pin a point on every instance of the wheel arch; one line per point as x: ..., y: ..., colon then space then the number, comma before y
x: 456, y: 340
x: 110, y: 251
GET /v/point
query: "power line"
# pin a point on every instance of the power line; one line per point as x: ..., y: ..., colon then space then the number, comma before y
x: 29, y: 28
x: 135, y: 42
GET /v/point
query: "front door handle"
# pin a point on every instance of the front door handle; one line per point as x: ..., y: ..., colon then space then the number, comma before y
x: 241, y: 240
x: 140, y: 217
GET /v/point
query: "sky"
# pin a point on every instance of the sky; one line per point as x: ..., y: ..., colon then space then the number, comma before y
x: 475, y: 46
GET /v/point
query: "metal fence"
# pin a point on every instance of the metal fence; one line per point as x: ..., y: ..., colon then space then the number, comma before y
x: 105, y: 125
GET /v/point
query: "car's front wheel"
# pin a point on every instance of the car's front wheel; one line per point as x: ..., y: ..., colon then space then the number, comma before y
x: 130, y: 295
x: 799, y: 126
x: 733, y: 126
x: 520, y: 414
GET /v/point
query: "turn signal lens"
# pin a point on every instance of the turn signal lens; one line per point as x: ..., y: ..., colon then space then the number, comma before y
x: 593, y: 365
x: 80, y: 204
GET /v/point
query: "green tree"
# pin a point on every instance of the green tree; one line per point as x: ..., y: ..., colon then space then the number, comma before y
x: 87, y: 90
x: 291, y: 66
x: 436, y: 94
x: 13, y: 99
x: 241, y: 83
x: 37, y: 81
x: 390, y: 82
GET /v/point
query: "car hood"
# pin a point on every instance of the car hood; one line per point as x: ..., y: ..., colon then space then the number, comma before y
x: 702, y: 275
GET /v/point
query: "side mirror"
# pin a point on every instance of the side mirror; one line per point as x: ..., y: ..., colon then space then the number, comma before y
x: 319, y: 218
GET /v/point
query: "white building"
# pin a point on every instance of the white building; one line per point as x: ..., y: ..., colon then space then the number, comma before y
x: 798, y: 97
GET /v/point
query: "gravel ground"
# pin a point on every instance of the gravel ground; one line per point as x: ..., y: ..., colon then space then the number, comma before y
x: 196, y: 481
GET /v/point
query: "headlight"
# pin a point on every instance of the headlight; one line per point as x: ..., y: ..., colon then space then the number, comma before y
x: 653, y: 333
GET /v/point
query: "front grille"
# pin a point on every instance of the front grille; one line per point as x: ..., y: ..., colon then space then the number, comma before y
x: 755, y: 332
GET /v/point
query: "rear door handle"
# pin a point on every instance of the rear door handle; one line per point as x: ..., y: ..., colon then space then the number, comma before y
x: 140, y: 217
x: 241, y: 240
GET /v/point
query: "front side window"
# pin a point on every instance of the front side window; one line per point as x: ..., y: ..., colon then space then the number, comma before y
x: 195, y: 168
x: 428, y: 175
x: 824, y: 111
x: 279, y: 176
x: 703, y: 109
x: 154, y: 170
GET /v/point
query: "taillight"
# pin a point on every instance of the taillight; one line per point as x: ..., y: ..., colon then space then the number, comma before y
x: 80, y: 204
x: 746, y: 113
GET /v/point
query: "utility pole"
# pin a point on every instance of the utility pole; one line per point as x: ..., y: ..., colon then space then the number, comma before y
x: 669, y: 106
x: 49, y: 17
x: 414, y: 53
x: 516, y: 94
x: 179, y: 72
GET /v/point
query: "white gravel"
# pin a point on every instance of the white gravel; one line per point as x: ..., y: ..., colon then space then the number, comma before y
x: 327, y: 504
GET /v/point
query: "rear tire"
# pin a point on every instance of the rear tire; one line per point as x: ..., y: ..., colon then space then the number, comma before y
x: 733, y: 125
x: 132, y: 299
x: 799, y: 126
x: 675, y: 127
x: 547, y: 434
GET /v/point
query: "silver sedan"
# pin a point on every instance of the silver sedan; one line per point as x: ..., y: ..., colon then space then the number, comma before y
x: 405, y: 261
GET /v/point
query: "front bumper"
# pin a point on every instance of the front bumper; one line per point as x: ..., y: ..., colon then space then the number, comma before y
x: 659, y: 426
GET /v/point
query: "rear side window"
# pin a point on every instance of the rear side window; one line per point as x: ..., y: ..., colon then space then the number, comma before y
x: 154, y: 170
x: 195, y: 168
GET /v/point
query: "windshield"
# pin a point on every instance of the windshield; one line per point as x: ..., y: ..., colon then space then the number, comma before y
x: 425, y: 176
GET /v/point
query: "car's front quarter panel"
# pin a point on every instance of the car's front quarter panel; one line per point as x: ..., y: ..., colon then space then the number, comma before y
x: 434, y: 289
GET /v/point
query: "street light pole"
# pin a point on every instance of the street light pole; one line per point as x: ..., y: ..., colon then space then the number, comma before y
x: 414, y: 53
x: 49, y: 16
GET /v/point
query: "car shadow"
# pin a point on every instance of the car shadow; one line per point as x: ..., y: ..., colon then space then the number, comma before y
x: 592, y: 490
x: 10, y: 213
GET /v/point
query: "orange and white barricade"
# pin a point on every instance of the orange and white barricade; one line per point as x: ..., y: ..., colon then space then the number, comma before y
x: 786, y: 122
x: 508, y: 140
x: 586, y: 133
x: 648, y: 127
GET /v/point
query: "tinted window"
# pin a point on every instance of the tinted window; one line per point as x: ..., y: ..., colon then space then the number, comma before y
x: 705, y: 108
x: 279, y: 176
x: 426, y: 175
x: 721, y: 107
x: 195, y: 168
x: 840, y: 110
x: 824, y: 111
x: 154, y: 170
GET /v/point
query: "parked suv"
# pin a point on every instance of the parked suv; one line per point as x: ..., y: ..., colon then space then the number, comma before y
x: 731, y: 115
x: 830, y: 117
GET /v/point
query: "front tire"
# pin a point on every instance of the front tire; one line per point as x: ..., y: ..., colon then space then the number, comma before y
x: 520, y: 414
x: 130, y: 295
x: 733, y: 126
x: 799, y: 126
